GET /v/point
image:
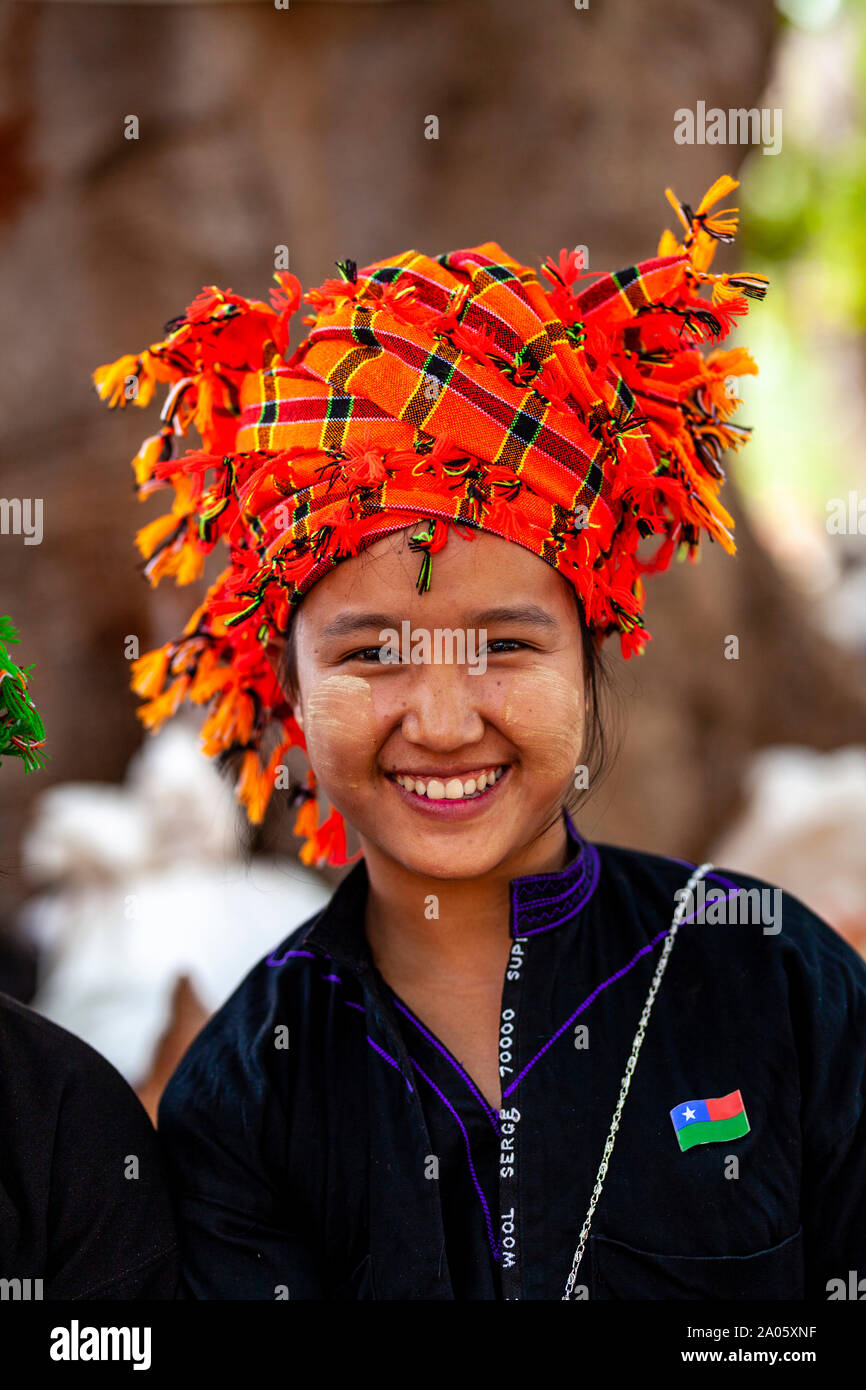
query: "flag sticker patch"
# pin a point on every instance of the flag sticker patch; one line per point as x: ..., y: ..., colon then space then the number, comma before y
x: 708, y: 1121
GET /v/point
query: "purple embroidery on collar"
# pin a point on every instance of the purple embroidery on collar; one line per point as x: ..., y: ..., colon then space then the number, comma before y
x: 440, y: 1047
x: 389, y: 1059
x: 271, y: 961
x: 534, y: 897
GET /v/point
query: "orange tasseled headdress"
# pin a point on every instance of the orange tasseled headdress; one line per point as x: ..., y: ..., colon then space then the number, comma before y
x: 448, y: 390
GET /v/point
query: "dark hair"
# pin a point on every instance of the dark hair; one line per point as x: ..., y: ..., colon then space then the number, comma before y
x: 597, y: 684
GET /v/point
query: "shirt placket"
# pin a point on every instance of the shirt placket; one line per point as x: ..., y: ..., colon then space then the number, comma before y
x: 510, y: 1244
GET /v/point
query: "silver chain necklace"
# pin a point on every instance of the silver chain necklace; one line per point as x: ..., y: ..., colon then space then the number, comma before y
x: 629, y: 1069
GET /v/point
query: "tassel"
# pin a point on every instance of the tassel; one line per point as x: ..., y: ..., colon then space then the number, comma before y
x: 22, y: 733
x: 154, y: 714
x: 111, y: 380
x: 155, y: 449
x: 307, y: 819
x: 429, y: 541
x: 328, y: 845
x: 255, y: 784
x: 249, y: 790
x: 150, y: 536
x: 230, y: 723
x: 149, y: 671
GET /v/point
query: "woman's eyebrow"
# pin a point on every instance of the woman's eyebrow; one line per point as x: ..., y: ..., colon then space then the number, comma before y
x: 355, y: 622
x: 514, y: 613
x: 530, y: 613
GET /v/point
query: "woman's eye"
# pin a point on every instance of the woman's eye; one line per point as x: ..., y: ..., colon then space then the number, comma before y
x: 362, y: 654
x: 507, y: 642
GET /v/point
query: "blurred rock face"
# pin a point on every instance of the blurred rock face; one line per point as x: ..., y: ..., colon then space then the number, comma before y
x: 305, y: 128
x: 804, y: 826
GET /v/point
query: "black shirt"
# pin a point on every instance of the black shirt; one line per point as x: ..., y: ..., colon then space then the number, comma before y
x: 323, y: 1144
x: 83, y: 1203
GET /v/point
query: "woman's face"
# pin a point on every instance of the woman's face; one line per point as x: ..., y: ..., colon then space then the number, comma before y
x: 512, y: 698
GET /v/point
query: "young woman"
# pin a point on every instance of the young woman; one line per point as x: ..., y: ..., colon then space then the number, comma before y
x: 503, y: 1062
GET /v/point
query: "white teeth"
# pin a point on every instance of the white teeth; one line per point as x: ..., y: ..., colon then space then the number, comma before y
x: 452, y: 790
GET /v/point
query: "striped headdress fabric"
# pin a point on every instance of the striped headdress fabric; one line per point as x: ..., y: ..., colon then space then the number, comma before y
x: 576, y: 418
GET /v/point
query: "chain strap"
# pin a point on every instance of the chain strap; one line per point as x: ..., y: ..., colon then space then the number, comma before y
x: 629, y: 1069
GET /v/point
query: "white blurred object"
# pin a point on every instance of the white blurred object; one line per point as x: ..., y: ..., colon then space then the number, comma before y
x: 843, y: 612
x: 804, y: 829
x: 147, y: 885
x: 86, y: 832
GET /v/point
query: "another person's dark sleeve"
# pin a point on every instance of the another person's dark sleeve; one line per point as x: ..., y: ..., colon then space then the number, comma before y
x: 83, y: 1201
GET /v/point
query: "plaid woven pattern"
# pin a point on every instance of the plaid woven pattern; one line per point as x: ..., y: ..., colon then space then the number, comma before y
x: 456, y: 389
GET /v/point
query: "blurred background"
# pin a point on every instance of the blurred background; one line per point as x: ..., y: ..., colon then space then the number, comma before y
x: 133, y: 896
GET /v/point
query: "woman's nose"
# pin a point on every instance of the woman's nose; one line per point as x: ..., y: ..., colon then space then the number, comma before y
x: 443, y: 706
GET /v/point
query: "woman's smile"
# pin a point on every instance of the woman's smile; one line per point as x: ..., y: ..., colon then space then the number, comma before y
x: 456, y: 798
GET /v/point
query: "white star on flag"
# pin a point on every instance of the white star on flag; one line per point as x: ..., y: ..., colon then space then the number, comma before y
x: 689, y: 1113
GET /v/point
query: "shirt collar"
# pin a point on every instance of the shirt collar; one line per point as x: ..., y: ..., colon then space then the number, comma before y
x: 539, y: 902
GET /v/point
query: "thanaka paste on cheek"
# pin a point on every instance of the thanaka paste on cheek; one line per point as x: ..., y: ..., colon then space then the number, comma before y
x: 544, y: 715
x: 339, y: 727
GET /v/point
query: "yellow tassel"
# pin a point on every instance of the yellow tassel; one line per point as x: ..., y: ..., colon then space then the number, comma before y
x: 675, y: 204
x: 164, y: 706
x: 307, y: 819
x: 151, y: 535
x: 723, y: 185
x: 251, y: 790
x: 256, y: 784
x: 184, y: 494
x: 111, y: 380
x: 149, y: 671
x: 720, y: 365
x: 209, y: 679
x: 190, y: 564
x: 668, y: 245
x: 217, y: 730
x: 307, y: 853
x: 147, y: 458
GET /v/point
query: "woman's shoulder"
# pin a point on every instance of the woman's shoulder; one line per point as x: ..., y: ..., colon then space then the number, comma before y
x: 258, y: 1027
x: 727, y: 897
